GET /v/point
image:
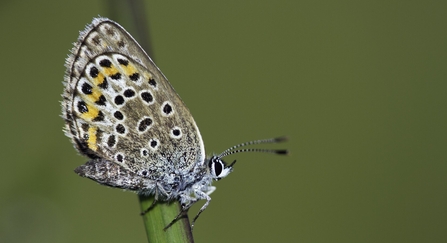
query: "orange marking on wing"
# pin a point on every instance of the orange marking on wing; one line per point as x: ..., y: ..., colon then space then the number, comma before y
x: 91, y: 114
x: 91, y: 142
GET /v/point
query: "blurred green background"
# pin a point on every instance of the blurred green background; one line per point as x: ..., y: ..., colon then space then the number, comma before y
x: 359, y: 87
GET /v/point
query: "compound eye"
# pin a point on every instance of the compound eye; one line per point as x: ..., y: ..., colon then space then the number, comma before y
x: 217, y: 168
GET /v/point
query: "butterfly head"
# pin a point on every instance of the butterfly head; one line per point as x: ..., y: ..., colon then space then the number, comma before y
x: 218, y: 168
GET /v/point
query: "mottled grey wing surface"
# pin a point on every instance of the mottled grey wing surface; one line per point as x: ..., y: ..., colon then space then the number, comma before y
x: 120, y: 107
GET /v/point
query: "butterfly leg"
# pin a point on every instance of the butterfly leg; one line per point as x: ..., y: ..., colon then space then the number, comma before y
x: 202, y: 195
x: 183, y: 212
x: 186, y: 202
x: 153, y: 203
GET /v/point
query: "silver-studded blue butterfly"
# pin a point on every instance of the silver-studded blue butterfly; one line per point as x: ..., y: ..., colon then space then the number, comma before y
x: 122, y: 113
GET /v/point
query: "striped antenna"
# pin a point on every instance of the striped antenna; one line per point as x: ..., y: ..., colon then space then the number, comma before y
x: 270, y: 140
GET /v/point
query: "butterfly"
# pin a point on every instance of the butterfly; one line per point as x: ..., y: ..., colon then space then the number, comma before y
x: 122, y: 113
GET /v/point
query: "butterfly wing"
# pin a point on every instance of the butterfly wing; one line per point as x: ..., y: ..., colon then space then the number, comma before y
x: 119, y: 106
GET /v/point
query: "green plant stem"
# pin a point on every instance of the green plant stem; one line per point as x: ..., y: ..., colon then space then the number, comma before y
x: 161, y: 215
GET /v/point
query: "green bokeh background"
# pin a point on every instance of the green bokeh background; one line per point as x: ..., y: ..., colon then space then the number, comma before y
x: 359, y: 87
